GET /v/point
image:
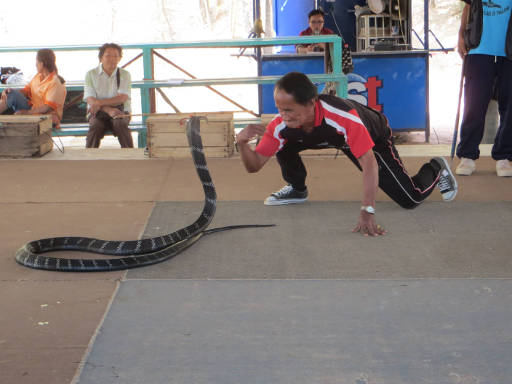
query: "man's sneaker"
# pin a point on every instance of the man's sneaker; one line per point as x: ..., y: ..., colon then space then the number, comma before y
x: 447, y: 183
x: 287, y: 195
x: 504, y: 168
x: 466, y: 167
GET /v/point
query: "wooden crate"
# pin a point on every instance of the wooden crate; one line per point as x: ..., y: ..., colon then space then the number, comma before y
x: 25, y: 136
x: 167, y: 135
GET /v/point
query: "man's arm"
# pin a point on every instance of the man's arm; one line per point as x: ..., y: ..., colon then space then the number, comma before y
x: 110, y: 102
x: 305, y: 48
x: 252, y: 160
x: 95, y: 104
x: 370, y: 177
x: 461, y: 45
x: 366, y: 224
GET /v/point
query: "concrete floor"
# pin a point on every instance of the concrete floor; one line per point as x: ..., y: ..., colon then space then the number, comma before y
x: 50, y: 321
x: 305, y: 331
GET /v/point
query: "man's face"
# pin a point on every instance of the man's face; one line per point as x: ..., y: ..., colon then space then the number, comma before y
x: 316, y: 23
x: 294, y: 115
x: 110, y: 59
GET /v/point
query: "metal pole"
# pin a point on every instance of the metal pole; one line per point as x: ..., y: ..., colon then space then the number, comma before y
x: 257, y: 16
x: 456, y: 128
x: 337, y: 53
x: 427, y: 71
x: 425, y: 24
x: 147, y: 96
x: 148, y: 75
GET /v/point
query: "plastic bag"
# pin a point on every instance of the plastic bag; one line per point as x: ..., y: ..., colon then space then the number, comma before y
x: 11, y: 75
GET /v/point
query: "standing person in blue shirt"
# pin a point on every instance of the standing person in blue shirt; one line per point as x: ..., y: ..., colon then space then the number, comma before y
x: 485, y: 43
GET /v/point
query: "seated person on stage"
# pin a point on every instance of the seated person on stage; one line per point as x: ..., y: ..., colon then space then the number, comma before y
x: 107, y: 92
x: 316, y: 27
x: 45, y: 94
x: 307, y: 120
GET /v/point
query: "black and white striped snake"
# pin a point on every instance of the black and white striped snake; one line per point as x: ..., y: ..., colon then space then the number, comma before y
x: 133, y: 253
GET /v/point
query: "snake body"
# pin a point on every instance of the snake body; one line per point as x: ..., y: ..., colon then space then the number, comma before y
x: 132, y: 253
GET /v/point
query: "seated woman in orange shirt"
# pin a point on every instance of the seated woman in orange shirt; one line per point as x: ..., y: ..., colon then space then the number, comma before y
x: 45, y: 94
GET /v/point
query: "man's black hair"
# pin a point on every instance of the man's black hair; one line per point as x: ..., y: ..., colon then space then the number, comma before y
x: 106, y: 46
x: 315, y: 12
x: 299, y: 86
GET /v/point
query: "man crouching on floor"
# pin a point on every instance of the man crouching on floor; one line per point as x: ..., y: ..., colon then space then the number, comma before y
x: 307, y: 120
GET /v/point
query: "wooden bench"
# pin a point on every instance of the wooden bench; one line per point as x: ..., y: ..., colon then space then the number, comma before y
x: 78, y: 129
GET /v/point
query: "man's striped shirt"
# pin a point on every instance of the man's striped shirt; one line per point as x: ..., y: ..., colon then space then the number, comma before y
x: 337, y: 121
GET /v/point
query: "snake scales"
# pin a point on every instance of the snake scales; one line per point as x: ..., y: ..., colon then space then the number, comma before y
x: 133, y: 253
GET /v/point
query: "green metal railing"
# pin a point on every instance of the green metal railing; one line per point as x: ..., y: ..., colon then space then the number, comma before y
x: 147, y: 56
x: 149, y: 84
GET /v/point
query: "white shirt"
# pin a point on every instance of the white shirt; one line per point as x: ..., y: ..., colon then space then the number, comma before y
x: 100, y: 85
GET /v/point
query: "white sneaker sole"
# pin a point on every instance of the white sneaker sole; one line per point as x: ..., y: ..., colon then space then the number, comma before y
x: 464, y: 171
x: 504, y: 173
x: 284, y: 202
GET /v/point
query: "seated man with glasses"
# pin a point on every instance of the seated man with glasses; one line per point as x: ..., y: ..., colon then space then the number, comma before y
x: 108, y: 94
x: 316, y: 27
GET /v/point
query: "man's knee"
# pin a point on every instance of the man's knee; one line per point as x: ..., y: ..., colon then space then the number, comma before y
x: 97, y: 128
x: 120, y: 124
x: 96, y: 124
x: 122, y: 131
x: 120, y: 127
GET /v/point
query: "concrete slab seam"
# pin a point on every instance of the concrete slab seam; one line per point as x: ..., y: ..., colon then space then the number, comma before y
x: 143, y: 230
x: 88, y: 350
x: 127, y: 279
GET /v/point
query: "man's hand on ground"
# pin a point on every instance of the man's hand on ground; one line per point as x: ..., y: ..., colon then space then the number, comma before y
x: 367, y: 226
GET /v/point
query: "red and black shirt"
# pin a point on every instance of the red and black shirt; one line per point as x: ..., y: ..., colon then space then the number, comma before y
x: 337, y: 122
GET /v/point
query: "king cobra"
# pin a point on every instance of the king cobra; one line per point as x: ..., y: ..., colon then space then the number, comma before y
x: 133, y: 253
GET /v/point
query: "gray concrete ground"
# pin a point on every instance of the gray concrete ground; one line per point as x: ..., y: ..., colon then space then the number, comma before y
x: 314, y: 241
x: 306, y: 331
x: 308, y: 301
x: 304, y: 301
